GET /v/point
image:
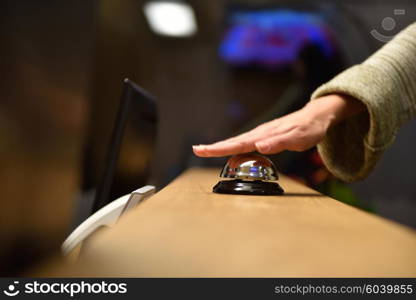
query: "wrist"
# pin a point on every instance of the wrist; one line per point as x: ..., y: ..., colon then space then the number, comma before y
x: 334, y: 108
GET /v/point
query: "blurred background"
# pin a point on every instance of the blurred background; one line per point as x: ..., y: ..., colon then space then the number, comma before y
x: 216, y: 68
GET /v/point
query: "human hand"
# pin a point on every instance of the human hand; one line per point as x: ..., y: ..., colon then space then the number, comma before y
x: 298, y: 131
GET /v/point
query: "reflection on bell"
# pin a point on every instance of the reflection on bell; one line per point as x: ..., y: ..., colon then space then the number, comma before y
x: 252, y: 175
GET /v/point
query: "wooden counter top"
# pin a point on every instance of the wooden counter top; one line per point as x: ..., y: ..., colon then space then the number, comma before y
x: 186, y: 230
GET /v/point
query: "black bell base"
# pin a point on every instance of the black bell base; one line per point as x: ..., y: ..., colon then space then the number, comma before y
x: 244, y: 187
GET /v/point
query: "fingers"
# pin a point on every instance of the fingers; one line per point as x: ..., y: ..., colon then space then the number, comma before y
x: 293, y: 140
x: 256, y: 132
x: 242, y: 143
x: 272, y: 145
x: 223, y: 149
x: 264, y: 144
x: 297, y: 131
x: 269, y: 134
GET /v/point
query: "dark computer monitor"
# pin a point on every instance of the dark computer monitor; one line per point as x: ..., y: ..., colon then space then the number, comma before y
x: 130, y: 151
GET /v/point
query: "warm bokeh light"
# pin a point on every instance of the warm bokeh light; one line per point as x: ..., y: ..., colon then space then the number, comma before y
x: 169, y: 18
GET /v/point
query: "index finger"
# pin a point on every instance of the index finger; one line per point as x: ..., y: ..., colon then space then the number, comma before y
x: 223, y: 149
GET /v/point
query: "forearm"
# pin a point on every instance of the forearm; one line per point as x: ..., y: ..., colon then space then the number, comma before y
x: 386, y: 85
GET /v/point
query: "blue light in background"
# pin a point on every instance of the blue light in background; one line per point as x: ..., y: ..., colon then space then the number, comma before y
x: 273, y: 38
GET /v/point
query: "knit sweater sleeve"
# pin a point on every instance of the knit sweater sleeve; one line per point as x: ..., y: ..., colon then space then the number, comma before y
x: 386, y: 84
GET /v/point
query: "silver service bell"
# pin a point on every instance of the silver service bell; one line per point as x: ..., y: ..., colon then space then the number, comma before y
x: 252, y: 174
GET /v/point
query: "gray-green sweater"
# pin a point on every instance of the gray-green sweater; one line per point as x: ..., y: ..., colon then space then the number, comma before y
x: 386, y: 84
